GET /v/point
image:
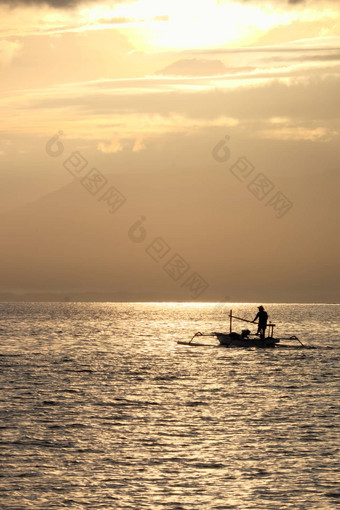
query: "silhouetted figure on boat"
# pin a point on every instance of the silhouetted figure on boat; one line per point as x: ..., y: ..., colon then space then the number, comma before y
x: 262, y: 316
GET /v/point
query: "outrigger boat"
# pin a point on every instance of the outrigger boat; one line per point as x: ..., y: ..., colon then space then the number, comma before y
x: 245, y: 338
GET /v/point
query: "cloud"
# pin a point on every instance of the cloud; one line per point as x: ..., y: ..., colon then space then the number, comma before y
x: 114, y: 145
x: 52, y: 3
x: 330, y: 57
x: 70, y: 3
x: 8, y: 50
x: 124, y: 122
x: 298, y: 133
x: 124, y: 20
x: 316, y: 44
x: 292, y: 2
x: 57, y: 4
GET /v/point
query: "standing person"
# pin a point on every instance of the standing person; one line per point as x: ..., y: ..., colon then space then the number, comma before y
x: 262, y: 316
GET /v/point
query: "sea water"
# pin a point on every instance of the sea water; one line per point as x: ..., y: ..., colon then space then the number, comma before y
x: 102, y: 409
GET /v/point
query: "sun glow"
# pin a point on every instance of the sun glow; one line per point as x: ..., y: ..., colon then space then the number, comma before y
x: 211, y: 25
x: 152, y: 25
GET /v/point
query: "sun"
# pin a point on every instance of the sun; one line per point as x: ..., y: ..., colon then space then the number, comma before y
x: 205, y: 24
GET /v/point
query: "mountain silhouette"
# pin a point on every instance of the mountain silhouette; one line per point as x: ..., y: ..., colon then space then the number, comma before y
x: 194, y: 67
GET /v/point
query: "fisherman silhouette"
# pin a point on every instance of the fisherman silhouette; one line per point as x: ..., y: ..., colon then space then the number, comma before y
x: 262, y: 316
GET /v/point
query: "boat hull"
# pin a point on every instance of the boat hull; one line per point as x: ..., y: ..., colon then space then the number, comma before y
x: 236, y: 340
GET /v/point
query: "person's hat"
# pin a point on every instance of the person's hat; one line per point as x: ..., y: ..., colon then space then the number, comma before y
x: 260, y: 307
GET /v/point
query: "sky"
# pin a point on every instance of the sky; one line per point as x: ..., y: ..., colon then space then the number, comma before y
x: 169, y: 150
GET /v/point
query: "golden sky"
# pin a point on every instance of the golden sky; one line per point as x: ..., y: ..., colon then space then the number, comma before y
x: 145, y: 90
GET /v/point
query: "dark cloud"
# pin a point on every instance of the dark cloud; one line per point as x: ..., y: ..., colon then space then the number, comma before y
x: 296, y: 101
x: 62, y: 4
x: 57, y: 4
x: 70, y: 3
x: 263, y: 49
x: 292, y: 1
x: 331, y: 57
x: 53, y: 3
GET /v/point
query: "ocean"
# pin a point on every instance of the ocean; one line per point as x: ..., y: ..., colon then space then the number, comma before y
x: 102, y: 409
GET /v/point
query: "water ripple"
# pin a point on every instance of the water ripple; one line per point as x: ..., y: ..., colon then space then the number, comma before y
x: 101, y: 409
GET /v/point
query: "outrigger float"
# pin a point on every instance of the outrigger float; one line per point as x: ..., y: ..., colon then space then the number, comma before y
x: 245, y: 338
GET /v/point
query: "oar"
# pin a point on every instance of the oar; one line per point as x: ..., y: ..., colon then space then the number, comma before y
x: 241, y: 319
